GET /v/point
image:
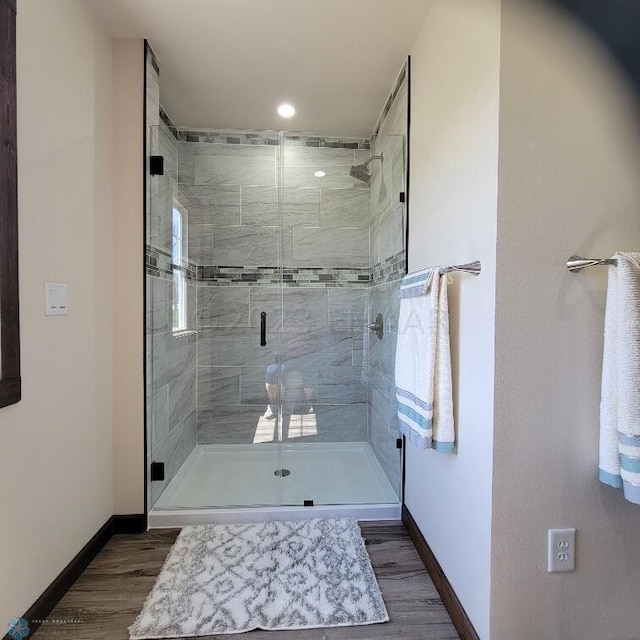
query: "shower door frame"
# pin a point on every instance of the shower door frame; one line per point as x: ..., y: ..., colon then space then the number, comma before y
x: 186, y: 515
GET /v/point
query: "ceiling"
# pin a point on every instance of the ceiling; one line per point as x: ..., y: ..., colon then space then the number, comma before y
x: 230, y: 63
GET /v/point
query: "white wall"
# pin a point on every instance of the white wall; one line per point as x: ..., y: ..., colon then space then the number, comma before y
x: 568, y: 183
x: 128, y: 256
x: 569, y: 162
x: 56, y: 476
x: 453, y: 211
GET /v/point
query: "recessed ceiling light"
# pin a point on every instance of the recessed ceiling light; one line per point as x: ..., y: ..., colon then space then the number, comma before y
x: 286, y: 110
x: 319, y: 174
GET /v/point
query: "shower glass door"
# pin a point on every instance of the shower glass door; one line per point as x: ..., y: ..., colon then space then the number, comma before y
x: 229, y: 182
x: 327, y: 453
x: 268, y: 255
x: 214, y: 318
x: 171, y: 371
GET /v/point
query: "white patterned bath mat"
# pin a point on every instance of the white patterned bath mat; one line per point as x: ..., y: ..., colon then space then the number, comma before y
x: 303, y: 574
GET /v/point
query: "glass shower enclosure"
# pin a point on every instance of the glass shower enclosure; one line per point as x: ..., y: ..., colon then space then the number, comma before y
x: 269, y: 381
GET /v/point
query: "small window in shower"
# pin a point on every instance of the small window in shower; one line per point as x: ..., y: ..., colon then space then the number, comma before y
x: 179, y: 298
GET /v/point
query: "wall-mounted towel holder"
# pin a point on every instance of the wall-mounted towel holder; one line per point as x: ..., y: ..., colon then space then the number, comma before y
x: 577, y: 263
x: 474, y: 268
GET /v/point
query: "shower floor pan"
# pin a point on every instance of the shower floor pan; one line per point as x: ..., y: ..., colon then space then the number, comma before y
x: 239, y: 483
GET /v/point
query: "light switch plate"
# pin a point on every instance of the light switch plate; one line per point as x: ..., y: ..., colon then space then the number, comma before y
x: 56, y: 299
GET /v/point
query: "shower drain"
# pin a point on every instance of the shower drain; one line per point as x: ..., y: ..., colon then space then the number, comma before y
x: 282, y: 472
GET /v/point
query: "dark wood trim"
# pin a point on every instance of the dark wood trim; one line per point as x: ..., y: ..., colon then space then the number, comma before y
x: 449, y: 598
x: 403, y: 475
x: 10, y: 391
x: 45, y: 604
x: 135, y: 523
x: 10, y: 384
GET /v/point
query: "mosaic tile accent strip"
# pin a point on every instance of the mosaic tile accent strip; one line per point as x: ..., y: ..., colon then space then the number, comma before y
x: 269, y: 138
x: 393, y: 268
x: 159, y: 263
x: 228, y: 137
x: 330, y: 143
x: 291, y: 277
x: 167, y: 120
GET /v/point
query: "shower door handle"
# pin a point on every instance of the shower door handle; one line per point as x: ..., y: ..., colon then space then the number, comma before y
x: 263, y: 329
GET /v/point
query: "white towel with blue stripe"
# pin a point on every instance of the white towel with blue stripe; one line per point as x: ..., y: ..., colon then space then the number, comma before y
x: 423, y: 361
x: 620, y: 400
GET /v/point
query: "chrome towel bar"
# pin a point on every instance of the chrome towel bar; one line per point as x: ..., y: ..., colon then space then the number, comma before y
x: 577, y: 263
x: 474, y: 268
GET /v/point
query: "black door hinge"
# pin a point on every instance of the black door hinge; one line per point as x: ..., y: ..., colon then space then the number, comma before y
x: 156, y: 165
x: 402, y: 197
x: 308, y: 503
x: 399, y: 443
x: 157, y: 471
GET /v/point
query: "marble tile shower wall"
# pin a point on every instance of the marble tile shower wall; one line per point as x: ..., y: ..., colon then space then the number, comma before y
x: 230, y: 192
x: 171, y: 360
x: 388, y: 267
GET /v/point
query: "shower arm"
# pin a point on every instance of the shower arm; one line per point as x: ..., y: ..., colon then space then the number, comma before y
x: 370, y: 160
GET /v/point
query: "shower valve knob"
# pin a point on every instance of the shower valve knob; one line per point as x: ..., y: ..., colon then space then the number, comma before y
x: 377, y: 326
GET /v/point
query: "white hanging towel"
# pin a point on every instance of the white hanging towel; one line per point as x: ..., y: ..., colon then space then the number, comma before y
x: 423, y: 361
x: 620, y: 401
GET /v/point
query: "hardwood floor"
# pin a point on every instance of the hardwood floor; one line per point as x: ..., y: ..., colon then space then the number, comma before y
x: 110, y: 593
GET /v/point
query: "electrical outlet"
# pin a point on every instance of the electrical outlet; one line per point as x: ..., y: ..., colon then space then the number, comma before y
x: 562, y: 550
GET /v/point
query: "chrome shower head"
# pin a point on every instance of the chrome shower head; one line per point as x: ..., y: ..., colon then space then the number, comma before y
x: 361, y: 171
